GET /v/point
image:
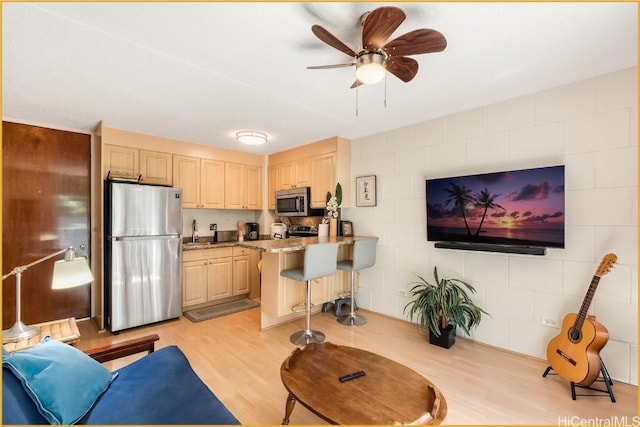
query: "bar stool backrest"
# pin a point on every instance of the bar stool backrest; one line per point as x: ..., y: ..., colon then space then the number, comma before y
x: 364, y: 253
x: 320, y: 260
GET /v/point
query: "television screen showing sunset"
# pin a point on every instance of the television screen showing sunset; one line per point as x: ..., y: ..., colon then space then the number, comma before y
x: 523, y: 207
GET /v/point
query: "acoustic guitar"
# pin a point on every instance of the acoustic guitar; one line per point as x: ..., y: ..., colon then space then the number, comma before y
x: 575, y: 353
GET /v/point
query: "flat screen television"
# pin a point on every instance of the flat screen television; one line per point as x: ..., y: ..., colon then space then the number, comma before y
x: 517, y: 211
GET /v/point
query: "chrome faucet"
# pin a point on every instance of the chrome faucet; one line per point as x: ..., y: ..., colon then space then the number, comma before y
x: 194, y: 228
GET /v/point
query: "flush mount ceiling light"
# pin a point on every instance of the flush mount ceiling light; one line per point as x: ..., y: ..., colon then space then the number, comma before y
x: 251, y: 137
x: 370, y: 68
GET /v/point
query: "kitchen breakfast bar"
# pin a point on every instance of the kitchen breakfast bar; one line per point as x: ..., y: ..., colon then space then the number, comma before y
x: 279, y: 294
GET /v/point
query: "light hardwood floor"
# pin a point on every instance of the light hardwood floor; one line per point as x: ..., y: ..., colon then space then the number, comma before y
x: 482, y: 385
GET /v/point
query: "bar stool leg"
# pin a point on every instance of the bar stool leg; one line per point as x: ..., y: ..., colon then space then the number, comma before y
x: 352, y: 319
x: 302, y: 338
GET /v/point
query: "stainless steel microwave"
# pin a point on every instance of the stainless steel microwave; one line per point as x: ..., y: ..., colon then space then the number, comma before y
x: 296, y: 202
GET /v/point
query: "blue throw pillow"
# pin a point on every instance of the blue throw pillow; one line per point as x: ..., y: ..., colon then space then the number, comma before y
x: 63, y: 382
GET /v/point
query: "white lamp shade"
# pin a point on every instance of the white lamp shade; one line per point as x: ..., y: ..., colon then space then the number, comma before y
x: 68, y: 274
x: 370, y: 68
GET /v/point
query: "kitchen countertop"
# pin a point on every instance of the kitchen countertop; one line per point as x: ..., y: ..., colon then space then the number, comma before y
x: 276, y: 245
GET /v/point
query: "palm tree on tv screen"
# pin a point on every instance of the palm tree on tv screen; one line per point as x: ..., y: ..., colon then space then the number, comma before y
x: 461, y: 197
x: 485, y: 200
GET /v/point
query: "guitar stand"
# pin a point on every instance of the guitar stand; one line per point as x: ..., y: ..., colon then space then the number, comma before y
x: 605, y: 377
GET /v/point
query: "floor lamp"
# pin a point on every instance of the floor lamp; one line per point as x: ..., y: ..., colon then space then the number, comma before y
x: 67, y: 273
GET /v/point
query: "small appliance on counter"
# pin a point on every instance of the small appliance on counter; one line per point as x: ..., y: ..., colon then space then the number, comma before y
x: 226, y: 236
x: 240, y: 231
x: 252, y: 231
x: 278, y: 230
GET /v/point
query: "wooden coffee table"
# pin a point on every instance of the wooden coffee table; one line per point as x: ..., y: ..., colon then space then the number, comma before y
x: 388, y: 393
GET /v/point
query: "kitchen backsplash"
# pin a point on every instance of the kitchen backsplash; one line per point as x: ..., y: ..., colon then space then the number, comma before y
x: 310, y: 221
x: 226, y: 219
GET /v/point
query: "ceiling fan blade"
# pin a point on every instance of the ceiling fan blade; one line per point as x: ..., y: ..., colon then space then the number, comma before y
x: 322, y: 67
x: 332, y: 40
x: 356, y: 84
x: 379, y: 25
x: 403, y: 68
x: 416, y: 42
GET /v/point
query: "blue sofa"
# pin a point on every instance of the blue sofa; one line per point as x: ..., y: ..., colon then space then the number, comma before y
x: 160, y: 388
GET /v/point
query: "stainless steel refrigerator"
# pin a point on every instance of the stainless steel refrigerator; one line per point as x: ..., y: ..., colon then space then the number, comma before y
x: 143, y: 254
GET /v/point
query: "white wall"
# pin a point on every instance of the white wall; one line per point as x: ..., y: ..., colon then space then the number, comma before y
x: 589, y: 126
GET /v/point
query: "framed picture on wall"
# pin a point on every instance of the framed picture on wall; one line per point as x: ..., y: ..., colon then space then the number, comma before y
x: 347, y: 228
x: 366, y: 190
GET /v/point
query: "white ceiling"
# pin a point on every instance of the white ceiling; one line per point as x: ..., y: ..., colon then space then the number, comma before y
x: 202, y: 71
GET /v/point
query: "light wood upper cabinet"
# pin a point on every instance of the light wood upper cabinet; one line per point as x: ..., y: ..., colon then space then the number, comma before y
x: 243, y: 186
x: 201, y: 180
x: 287, y: 175
x: 156, y: 167
x: 212, y: 184
x: 293, y: 174
x: 254, y: 187
x: 121, y: 160
x: 186, y: 175
x: 274, y: 171
x: 323, y: 179
x: 319, y: 165
x: 302, y: 174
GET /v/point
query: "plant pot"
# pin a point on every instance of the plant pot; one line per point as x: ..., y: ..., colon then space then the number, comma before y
x: 333, y: 227
x: 446, y: 339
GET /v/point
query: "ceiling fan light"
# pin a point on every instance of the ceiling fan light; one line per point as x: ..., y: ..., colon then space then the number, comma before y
x: 370, y: 68
x: 251, y: 137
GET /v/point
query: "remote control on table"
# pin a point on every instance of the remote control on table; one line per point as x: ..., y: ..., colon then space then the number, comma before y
x: 351, y: 376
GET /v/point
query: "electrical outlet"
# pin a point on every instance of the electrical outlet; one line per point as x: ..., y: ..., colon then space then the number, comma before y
x: 550, y: 321
x: 213, y: 227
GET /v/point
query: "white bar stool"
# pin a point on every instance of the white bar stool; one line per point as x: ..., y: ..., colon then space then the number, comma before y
x: 364, y: 256
x: 320, y: 260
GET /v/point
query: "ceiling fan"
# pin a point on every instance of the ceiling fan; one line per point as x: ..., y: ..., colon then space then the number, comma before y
x: 379, y: 55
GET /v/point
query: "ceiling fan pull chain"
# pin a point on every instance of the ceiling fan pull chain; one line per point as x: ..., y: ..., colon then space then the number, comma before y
x: 356, y: 101
x: 385, y: 90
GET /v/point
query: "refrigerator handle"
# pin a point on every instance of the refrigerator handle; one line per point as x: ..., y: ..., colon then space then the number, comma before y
x: 132, y: 238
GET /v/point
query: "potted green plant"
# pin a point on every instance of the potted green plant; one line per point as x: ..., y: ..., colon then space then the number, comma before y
x: 441, y: 306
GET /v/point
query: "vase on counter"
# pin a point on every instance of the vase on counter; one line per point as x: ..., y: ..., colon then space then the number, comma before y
x: 323, y: 230
x: 333, y: 227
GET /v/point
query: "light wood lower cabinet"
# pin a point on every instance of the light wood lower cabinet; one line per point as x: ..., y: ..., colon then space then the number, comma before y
x: 218, y: 273
x: 246, y: 276
x: 241, y: 271
x: 207, y: 275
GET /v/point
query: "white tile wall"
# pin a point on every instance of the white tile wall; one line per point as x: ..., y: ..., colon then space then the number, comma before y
x: 589, y: 126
